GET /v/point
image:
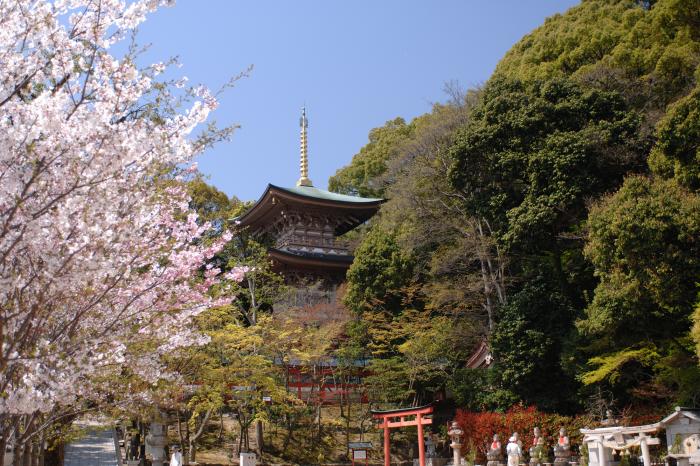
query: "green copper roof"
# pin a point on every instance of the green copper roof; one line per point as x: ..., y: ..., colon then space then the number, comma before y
x: 310, y: 191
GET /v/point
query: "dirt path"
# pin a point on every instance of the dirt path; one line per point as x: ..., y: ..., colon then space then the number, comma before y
x: 95, y: 449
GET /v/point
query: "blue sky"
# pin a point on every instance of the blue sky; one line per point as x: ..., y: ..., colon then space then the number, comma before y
x: 354, y: 64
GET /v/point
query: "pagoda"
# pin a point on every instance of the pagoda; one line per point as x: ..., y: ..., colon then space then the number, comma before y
x: 302, y: 225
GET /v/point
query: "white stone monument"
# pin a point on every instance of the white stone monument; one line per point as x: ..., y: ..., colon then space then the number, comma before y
x: 683, y: 435
x: 248, y: 459
x: 603, y: 441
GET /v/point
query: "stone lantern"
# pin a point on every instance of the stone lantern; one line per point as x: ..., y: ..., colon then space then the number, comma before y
x: 455, y: 434
x: 155, y: 443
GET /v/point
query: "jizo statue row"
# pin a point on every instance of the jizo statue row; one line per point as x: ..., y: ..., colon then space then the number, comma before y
x: 537, y: 451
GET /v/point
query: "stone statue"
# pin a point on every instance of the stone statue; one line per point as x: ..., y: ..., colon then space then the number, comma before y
x: 514, y: 450
x: 495, y: 454
x: 538, y: 453
x: 176, y: 456
x: 609, y: 419
x: 563, y: 441
x: 535, y: 450
x: 536, y: 435
x: 430, y: 448
x: 496, y: 444
x: 562, y: 450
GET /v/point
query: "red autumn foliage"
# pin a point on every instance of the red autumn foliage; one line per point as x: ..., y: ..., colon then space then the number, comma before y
x: 479, y: 427
x: 640, y: 415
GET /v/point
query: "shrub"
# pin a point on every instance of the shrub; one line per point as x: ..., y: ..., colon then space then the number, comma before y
x: 479, y: 427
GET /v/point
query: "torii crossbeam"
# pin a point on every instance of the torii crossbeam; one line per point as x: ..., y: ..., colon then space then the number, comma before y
x: 406, y: 417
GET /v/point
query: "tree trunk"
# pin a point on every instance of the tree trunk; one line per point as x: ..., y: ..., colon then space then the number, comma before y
x: 39, y: 456
x: 491, y: 279
x: 192, y: 439
x: 318, y: 420
x: 179, y: 431
x: 253, y: 301
x: 54, y: 457
x: 259, y: 438
x: 28, y: 452
x: 345, y: 393
x: 246, y: 439
x: 244, y: 424
x: 240, y: 439
x: 220, y: 435
x: 191, y: 452
x: 3, y: 445
x: 558, y: 269
x: 36, y: 451
x: 16, y: 455
x: 184, y: 441
x: 290, y: 432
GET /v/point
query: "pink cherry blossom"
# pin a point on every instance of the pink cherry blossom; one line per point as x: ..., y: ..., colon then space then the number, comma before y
x: 237, y: 274
x: 94, y: 252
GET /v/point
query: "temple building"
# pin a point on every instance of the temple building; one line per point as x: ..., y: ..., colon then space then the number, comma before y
x: 302, y: 224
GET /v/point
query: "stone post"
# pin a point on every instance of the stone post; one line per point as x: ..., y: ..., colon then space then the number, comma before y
x: 645, y: 449
x: 602, y: 458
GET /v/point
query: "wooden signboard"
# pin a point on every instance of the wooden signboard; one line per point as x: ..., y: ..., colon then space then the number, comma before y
x: 359, y: 451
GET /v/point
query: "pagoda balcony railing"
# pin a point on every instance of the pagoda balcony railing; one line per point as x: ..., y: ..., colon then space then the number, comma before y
x: 338, y: 248
x: 302, y: 297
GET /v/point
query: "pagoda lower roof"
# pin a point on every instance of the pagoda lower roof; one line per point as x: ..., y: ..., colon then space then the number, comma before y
x: 353, y: 210
x: 311, y: 260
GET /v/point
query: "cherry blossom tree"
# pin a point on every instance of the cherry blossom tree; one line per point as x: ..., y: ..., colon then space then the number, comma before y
x: 98, y: 250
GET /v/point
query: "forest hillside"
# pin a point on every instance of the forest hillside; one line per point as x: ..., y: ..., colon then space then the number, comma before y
x: 553, y: 212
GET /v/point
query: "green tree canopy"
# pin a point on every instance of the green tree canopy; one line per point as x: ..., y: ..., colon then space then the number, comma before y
x: 677, y: 150
x: 212, y: 205
x: 379, y: 272
x: 653, y: 46
x: 527, y: 344
x: 361, y: 177
x: 533, y: 153
x: 643, y: 242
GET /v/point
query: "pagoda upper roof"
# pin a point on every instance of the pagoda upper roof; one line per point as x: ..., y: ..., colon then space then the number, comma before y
x: 354, y: 210
x: 310, y: 191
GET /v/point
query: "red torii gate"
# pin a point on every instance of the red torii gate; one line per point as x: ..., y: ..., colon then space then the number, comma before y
x: 419, y: 420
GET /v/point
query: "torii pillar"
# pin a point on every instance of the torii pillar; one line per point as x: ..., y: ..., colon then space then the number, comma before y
x: 398, y: 418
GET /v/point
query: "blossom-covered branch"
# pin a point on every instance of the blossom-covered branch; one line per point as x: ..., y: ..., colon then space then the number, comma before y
x: 97, y: 248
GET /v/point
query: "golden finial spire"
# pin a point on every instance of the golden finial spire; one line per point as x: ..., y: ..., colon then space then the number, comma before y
x: 304, y: 164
